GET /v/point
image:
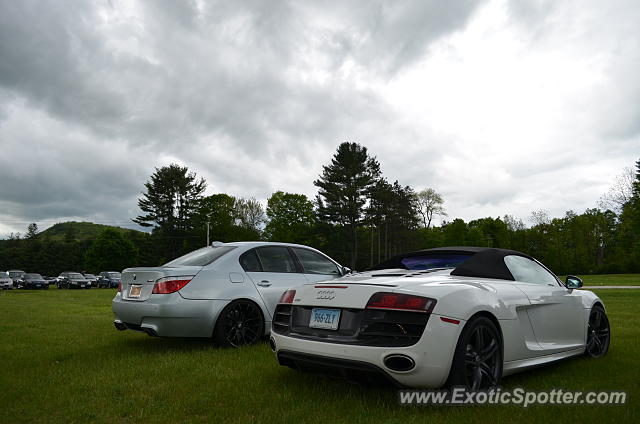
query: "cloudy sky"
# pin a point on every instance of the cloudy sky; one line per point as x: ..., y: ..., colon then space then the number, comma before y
x: 503, y: 107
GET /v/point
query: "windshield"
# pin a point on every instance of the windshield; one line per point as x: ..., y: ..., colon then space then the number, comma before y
x: 201, y: 257
x: 32, y: 277
x: 15, y: 273
x: 114, y: 275
x: 433, y: 261
x: 75, y: 276
x: 89, y: 276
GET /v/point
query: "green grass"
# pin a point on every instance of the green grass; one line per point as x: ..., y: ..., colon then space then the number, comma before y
x: 62, y: 361
x: 609, y: 279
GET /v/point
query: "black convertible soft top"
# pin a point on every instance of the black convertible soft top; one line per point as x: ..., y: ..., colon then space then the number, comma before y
x: 483, y: 262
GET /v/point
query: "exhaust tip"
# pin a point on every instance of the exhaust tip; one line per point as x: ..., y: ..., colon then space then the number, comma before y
x: 400, y: 363
x: 150, y: 331
x: 272, y: 344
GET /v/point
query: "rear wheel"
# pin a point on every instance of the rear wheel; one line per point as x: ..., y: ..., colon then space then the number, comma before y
x: 240, y: 323
x: 477, y: 361
x: 598, y: 333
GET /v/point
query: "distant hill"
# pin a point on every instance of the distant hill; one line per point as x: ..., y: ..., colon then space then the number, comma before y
x: 80, y: 230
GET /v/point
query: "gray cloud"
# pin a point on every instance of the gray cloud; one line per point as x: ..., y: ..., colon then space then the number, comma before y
x: 255, y: 96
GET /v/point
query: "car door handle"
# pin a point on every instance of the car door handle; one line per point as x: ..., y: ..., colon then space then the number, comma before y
x: 264, y: 283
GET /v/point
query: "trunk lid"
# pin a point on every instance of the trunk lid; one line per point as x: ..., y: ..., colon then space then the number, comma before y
x: 144, y: 278
x: 355, y: 290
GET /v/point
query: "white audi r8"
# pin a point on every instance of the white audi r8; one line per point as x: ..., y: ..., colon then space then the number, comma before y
x: 456, y: 316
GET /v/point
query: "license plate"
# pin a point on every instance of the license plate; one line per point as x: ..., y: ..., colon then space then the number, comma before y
x: 327, y: 319
x: 135, y: 290
x: 82, y: 285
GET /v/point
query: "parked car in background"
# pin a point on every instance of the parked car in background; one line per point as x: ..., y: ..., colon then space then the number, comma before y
x: 92, y: 279
x: 227, y: 291
x: 6, y: 283
x: 16, y: 275
x: 34, y: 281
x: 109, y: 279
x: 72, y: 280
x: 50, y: 280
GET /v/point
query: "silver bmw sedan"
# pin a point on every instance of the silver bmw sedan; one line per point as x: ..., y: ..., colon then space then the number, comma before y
x: 227, y: 291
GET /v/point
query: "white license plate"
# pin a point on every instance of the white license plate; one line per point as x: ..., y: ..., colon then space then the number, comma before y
x: 135, y: 290
x: 82, y: 285
x: 327, y: 319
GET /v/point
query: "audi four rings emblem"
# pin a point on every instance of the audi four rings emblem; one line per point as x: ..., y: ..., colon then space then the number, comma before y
x: 326, y: 294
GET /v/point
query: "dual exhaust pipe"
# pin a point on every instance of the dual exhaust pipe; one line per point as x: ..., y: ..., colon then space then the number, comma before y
x: 399, y: 363
x: 394, y: 362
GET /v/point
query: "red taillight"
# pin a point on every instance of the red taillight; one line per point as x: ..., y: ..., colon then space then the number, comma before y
x: 170, y: 284
x: 398, y: 301
x: 287, y: 297
x: 119, y: 287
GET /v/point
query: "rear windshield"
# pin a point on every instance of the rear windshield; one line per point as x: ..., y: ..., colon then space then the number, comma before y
x: 32, y: 277
x: 75, y: 276
x: 433, y: 261
x: 114, y: 274
x: 201, y: 257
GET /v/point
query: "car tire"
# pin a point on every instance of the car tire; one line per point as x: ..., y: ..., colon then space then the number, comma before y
x: 478, y: 357
x: 598, y: 333
x: 240, y: 323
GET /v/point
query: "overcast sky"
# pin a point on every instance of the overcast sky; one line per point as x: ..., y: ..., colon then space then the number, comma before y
x: 503, y: 107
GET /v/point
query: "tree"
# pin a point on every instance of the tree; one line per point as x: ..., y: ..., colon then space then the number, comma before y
x: 429, y: 205
x: 249, y: 213
x: 290, y: 218
x: 172, y: 198
x: 110, y: 251
x: 343, y: 189
x: 392, y: 210
x: 620, y: 192
x: 32, y: 230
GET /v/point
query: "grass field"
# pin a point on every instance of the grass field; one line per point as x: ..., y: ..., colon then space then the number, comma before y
x: 610, y: 280
x: 62, y: 361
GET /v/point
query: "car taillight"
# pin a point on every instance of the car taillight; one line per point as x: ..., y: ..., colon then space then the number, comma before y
x: 399, y: 301
x: 287, y: 297
x: 120, y: 287
x: 170, y: 284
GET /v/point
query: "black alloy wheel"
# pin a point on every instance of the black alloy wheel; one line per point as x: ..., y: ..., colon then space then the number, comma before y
x: 598, y: 333
x: 477, y: 361
x: 240, y: 323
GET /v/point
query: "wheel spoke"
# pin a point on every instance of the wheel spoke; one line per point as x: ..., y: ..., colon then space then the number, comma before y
x: 488, y: 372
x: 479, y: 339
x: 489, y: 350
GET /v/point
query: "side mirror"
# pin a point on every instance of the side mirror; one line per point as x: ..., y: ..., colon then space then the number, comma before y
x: 345, y: 270
x: 573, y: 282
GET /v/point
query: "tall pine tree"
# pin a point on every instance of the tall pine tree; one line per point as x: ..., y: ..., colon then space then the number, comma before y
x: 344, y: 188
x: 170, y: 203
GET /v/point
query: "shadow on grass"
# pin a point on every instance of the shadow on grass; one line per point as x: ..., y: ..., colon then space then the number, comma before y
x: 143, y: 343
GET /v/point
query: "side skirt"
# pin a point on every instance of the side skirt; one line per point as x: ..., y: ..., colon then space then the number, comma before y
x: 512, y: 367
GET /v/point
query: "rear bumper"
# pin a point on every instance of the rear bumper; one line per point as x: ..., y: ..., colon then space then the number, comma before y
x: 167, y: 315
x: 42, y: 286
x: 432, y: 355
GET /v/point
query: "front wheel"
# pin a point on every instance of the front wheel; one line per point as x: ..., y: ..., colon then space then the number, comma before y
x: 240, y: 323
x: 477, y: 361
x: 598, y: 333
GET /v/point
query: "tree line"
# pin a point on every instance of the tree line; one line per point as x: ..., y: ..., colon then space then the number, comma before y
x: 358, y: 217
